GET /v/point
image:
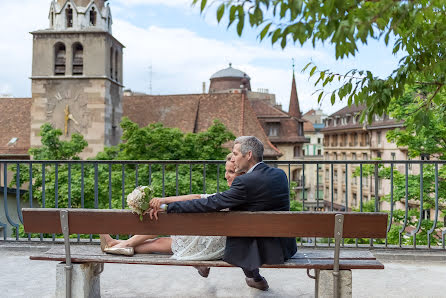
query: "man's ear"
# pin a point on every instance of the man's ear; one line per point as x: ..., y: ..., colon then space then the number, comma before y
x: 249, y: 153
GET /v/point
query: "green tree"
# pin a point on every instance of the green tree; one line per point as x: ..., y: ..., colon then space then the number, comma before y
x: 415, y: 29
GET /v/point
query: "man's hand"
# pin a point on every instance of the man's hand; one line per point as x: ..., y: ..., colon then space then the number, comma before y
x: 156, y: 203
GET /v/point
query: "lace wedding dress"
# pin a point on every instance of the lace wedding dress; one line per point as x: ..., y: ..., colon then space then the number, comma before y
x: 198, y: 248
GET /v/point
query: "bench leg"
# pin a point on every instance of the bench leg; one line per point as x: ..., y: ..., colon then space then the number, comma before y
x: 85, y: 282
x: 324, y: 283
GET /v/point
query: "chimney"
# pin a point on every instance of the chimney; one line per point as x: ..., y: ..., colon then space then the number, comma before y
x: 204, y: 87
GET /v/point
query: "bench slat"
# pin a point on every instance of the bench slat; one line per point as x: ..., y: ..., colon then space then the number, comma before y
x: 306, y: 258
x: 255, y: 224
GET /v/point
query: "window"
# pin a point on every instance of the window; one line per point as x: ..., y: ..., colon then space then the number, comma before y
x: 296, y: 151
x: 318, y: 140
x: 273, y: 129
x: 78, y: 60
x: 378, y: 154
x: 111, y: 63
x: 319, y: 152
x: 69, y: 16
x: 295, y: 175
x: 335, y: 175
x: 116, y: 65
x: 393, y: 155
x: 378, y: 137
x: 344, y: 156
x: 52, y: 19
x: 59, y: 59
x: 355, y: 139
x: 327, y: 157
x: 327, y: 176
x: 364, y: 156
x: 353, y: 156
x: 335, y: 156
x: 93, y: 17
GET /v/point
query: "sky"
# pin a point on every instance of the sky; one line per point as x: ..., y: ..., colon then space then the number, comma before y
x: 184, y: 48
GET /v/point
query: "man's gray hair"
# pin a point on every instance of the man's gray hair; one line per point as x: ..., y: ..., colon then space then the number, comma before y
x: 250, y: 143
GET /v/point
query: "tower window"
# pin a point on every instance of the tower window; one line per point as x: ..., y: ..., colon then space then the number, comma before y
x: 52, y: 19
x: 93, y: 17
x: 78, y: 59
x: 59, y: 60
x: 111, y: 63
x: 69, y: 16
x: 116, y: 65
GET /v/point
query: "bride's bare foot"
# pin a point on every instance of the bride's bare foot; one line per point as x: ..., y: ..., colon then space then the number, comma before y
x: 107, y: 241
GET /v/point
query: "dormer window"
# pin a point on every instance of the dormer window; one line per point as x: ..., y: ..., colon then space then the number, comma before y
x: 93, y: 17
x: 273, y: 129
x: 69, y: 16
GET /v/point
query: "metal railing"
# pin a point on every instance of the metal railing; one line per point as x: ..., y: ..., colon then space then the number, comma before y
x: 105, y: 184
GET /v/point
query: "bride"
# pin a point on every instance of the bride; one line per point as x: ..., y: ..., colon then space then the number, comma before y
x: 196, y: 248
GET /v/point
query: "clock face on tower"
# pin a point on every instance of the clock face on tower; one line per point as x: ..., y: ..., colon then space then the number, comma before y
x: 67, y: 110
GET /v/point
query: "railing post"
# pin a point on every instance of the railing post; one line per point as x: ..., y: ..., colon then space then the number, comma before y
x: 339, y: 223
x: 68, y: 265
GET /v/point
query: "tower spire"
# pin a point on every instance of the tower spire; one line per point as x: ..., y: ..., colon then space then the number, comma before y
x: 294, y: 109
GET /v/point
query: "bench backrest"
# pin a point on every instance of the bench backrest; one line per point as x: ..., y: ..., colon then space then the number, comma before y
x: 258, y: 224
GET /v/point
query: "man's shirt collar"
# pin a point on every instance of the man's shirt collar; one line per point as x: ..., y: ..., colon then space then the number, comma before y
x: 253, y: 167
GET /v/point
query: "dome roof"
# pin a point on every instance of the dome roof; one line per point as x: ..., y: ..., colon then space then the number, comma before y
x: 229, y: 73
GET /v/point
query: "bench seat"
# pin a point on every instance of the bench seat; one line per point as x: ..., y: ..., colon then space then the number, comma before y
x: 308, y: 258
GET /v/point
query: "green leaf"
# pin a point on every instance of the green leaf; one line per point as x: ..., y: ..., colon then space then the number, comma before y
x: 312, y: 71
x: 220, y: 12
x: 203, y: 4
x: 264, y: 31
x: 276, y: 35
x: 333, y: 98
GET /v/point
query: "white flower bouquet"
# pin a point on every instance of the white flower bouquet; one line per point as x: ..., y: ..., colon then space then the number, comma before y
x: 139, y: 199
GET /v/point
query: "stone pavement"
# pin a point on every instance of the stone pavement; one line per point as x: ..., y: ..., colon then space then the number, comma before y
x: 407, y: 274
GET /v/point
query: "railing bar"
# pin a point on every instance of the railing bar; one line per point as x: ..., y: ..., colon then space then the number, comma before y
x: 289, y: 179
x: 406, y: 204
x: 5, y: 201
x: 56, y: 190
x: 164, y: 183
x: 436, y: 209
x: 30, y: 191
x: 150, y: 174
x: 391, y: 202
x: 109, y: 186
x: 190, y: 178
x: 17, y: 193
x: 414, y: 233
x: 218, y: 178
x: 96, y: 185
x: 43, y: 192
x: 303, y: 187
x: 69, y: 185
x: 123, y: 186
x: 136, y: 175
x: 204, y: 178
x: 176, y: 180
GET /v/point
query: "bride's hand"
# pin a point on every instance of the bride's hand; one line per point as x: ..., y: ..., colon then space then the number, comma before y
x: 155, y: 203
x: 153, y: 212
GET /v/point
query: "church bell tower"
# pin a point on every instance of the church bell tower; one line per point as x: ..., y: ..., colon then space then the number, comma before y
x: 77, y: 74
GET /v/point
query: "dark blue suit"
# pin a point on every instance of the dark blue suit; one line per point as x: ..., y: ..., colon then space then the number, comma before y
x: 264, y: 189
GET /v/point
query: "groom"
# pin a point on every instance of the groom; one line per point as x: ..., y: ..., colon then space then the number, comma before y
x: 262, y: 188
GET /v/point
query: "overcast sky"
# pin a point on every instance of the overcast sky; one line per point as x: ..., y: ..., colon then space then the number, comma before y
x: 184, y: 49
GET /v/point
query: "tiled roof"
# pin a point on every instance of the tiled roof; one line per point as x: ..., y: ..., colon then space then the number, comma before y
x: 308, y: 126
x: 15, y: 122
x: 196, y: 112
x: 264, y: 109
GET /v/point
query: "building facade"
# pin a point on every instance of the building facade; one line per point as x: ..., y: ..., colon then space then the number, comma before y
x: 77, y: 74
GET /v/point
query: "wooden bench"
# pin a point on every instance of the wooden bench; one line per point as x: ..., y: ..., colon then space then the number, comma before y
x: 332, y: 268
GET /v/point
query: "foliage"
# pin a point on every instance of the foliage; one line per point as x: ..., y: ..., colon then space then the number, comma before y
x: 153, y: 142
x: 415, y: 29
x: 424, y: 131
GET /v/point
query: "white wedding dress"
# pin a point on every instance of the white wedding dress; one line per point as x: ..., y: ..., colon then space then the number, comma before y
x: 198, y: 248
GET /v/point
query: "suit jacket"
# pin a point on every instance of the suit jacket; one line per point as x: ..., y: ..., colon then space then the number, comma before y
x: 264, y: 189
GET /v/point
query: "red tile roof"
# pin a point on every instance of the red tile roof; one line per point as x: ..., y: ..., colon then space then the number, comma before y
x: 196, y: 112
x: 15, y: 122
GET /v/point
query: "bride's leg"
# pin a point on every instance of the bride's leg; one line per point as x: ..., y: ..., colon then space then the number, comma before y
x: 160, y: 245
x: 107, y: 240
x: 134, y: 241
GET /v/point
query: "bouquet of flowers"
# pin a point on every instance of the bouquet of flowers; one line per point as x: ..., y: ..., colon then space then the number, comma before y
x: 138, y: 200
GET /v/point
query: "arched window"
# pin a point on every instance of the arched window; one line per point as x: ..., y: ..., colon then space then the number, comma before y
x: 111, y: 63
x: 78, y: 59
x: 59, y: 59
x: 69, y: 16
x: 295, y: 175
x: 92, y: 17
x: 116, y: 65
x: 297, y: 151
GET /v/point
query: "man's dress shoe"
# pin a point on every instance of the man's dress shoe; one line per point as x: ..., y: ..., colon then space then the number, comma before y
x: 261, y: 285
x: 202, y: 270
